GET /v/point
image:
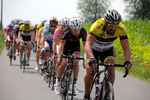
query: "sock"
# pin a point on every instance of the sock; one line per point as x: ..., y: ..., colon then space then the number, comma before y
x: 75, y: 81
x: 57, y: 80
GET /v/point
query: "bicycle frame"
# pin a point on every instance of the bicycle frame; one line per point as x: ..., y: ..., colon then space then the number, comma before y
x: 67, y: 76
x: 105, y: 83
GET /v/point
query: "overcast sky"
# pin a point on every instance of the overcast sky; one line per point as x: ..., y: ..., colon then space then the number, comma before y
x: 36, y: 10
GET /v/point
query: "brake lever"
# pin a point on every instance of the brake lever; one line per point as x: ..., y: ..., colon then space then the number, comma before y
x: 126, y: 73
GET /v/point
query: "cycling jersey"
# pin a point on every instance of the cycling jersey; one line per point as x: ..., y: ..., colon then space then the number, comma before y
x: 104, y: 41
x: 48, y: 34
x: 39, y: 26
x: 10, y: 33
x: 40, y: 31
x: 71, y: 41
x: 17, y: 31
x: 58, y: 33
x: 26, y: 33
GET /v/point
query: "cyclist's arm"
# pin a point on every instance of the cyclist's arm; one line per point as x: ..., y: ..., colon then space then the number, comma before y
x: 42, y: 42
x: 14, y: 38
x: 60, y: 49
x: 126, y: 49
x: 38, y: 40
x: 19, y: 34
x: 32, y: 36
x: 36, y: 36
x: 55, y: 42
x: 88, y: 45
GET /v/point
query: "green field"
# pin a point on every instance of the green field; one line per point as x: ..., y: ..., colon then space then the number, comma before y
x: 1, y: 41
x: 139, y: 39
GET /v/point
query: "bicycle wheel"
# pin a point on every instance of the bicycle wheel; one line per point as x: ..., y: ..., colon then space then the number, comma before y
x: 107, y: 88
x: 50, y: 72
x: 11, y: 55
x: 24, y: 60
x: 20, y: 61
x: 72, y: 81
x: 64, y: 86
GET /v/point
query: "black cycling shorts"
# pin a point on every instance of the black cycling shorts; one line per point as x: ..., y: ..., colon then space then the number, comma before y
x: 103, y: 55
x: 70, y: 49
x: 25, y: 38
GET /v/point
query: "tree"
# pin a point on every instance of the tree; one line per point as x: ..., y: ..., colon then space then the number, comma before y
x: 138, y: 9
x: 16, y: 21
x: 91, y: 10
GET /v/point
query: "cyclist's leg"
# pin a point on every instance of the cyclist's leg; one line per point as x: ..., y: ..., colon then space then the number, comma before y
x: 29, y: 51
x: 59, y: 72
x: 88, y: 78
x: 76, y: 64
x: 109, y: 57
x: 76, y: 70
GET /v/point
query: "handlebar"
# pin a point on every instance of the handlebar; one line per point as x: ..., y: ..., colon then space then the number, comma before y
x: 70, y: 57
x: 110, y: 65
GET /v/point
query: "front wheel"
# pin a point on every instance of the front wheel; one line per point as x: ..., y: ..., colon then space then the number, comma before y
x: 107, y: 91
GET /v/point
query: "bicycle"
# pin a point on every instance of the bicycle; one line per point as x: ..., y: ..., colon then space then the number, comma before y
x: 68, y: 77
x: 52, y: 74
x: 11, y: 52
x: 23, y: 57
x: 44, y: 66
x: 104, y: 87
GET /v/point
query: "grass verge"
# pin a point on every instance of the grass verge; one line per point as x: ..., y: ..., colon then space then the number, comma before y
x: 2, y: 44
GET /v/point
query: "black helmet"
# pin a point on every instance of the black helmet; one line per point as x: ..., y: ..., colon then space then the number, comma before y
x: 112, y: 17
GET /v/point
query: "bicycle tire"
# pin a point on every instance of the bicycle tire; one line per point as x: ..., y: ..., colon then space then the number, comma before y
x: 72, y: 77
x: 20, y: 62
x: 64, y: 86
x: 11, y: 55
x: 24, y: 60
x: 109, y: 89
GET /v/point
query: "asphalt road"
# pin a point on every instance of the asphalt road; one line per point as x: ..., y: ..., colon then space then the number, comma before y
x: 16, y: 85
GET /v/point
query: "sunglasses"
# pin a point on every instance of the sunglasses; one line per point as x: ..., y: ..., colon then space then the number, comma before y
x: 113, y: 25
x: 53, y: 26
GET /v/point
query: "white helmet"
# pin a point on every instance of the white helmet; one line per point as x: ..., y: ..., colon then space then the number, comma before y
x: 43, y: 21
x: 112, y: 16
x: 26, y: 22
x: 65, y: 21
x: 75, y: 23
x: 16, y: 26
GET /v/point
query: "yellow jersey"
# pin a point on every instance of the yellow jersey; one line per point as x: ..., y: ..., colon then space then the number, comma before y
x: 26, y: 32
x: 39, y: 26
x: 104, y: 41
x: 40, y: 31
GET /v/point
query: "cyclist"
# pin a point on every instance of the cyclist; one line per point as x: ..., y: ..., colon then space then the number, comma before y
x: 39, y: 45
x: 58, y: 33
x: 40, y: 26
x: 70, y: 42
x: 10, y: 37
x: 99, y: 43
x: 26, y: 33
x: 17, y: 32
x: 47, y: 40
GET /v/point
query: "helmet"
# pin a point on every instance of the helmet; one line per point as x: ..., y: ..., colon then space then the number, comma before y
x: 36, y: 25
x: 75, y: 23
x: 46, y: 24
x: 65, y: 21
x: 112, y: 17
x: 26, y: 22
x: 54, y: 20
x: 11, y: 25
x: 16, y: 26
x: 21, y: 22
x: 43, y: 21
